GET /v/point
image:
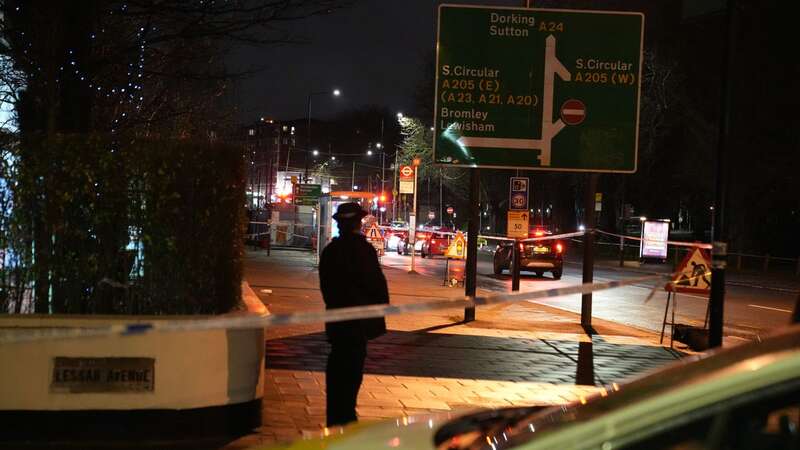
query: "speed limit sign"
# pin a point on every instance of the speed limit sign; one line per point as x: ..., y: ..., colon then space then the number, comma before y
x: 518, y: 222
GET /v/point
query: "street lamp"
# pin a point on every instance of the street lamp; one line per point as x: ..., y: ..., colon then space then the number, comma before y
x: 333, y: 158
x: 315, y: 152
x: 399, y: 116
x: 336, y: 93
x: 369, y: 152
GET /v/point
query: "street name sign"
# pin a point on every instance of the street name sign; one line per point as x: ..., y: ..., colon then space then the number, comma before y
x: 518, y: 223
x: 518, y: 193
x: 543, y: 89
x: 80, y: 375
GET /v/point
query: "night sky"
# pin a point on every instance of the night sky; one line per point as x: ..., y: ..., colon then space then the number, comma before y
x: 373, y: 51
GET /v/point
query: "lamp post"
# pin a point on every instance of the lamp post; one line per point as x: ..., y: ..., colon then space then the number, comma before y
x: 336, y: 93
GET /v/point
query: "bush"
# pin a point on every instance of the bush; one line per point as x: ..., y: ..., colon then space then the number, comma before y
x: 138, y: 227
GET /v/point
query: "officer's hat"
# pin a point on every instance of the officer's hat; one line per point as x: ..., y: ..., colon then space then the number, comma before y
x: 349, y: 211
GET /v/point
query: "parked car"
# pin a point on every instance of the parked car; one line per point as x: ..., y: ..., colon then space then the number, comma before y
x: 745, y: 397
x: 535, y: 256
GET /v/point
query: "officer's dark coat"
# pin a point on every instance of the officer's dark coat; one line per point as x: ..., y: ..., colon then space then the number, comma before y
x: 350, y: 275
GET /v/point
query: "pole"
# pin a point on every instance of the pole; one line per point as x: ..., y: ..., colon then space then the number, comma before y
x: 308, y: 135
x: 383, y: 171
x: 621, y: 228
x: 719, y: 251
x: 414, y: 211
x: 277, y: 161
x: 353, y: 178
x: 395, y: 193
x: 515, y: 275
x: 471, y: 283
x: 441, y: 214
x: 588, y: 250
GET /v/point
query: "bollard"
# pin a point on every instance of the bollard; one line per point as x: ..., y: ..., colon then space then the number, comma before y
x: 766, y: 262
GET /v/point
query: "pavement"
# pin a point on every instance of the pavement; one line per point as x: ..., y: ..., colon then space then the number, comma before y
x: 514, y: 354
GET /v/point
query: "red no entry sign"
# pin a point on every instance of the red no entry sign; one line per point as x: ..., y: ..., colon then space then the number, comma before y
x: 573, y: 112
x: 406, y: 172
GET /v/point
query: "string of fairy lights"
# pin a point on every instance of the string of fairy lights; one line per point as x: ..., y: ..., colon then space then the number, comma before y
x: 129, y: 93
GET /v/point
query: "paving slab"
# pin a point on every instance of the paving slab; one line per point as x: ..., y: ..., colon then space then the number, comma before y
x: 515, y: 354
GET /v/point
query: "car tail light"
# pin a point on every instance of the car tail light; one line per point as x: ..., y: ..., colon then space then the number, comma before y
x: 559, y: 248
x: 538, y: 233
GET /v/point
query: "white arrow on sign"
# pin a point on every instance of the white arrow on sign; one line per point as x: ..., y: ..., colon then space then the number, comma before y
x: 550, y: 129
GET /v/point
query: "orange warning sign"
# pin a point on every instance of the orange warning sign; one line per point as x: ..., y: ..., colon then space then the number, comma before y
x: 693, y: 274
x: 457, y: 248
x: 375, y: 237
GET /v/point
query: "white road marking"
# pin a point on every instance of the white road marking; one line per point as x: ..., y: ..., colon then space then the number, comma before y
x: 771, y: 309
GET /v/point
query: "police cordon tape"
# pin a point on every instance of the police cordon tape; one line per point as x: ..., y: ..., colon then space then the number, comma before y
x: 304, y: 318
x: 503, y: 238
x: 571, y: 235
x: 675, y: 243
x: 288, y: 234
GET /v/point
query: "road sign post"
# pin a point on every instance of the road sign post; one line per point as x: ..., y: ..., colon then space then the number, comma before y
x: 528, y: 88
x: 515, y: 269
x: 517, y: 228
x: 719, y: 252
x: 414, y: 212
x: 471, y: 283
x: 588, y: 251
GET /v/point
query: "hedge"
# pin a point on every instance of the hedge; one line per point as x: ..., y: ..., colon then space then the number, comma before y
x: 135, y: 227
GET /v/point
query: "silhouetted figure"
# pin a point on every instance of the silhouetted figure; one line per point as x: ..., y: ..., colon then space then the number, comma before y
x: 699, y: 273
x: 349, y: 275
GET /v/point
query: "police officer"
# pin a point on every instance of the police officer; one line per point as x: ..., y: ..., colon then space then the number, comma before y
x: 349, y: 275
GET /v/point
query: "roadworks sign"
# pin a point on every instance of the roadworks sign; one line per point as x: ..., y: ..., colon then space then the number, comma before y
x: 375, y: 237
x: 457, y: 248
x: 693, y: 274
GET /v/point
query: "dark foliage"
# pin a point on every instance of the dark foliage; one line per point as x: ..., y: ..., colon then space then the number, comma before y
x: 142, y: 227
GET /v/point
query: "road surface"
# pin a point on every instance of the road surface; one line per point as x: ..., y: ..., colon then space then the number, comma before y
x: 749, y: 311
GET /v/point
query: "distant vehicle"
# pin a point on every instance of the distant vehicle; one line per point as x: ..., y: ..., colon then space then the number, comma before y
x: 745, y: 397
x: 392, y: 236
x: 404, y: 247
x: 435, y: 243
x: 535, y: 256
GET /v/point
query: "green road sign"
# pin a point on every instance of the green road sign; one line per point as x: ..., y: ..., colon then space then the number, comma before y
x: 307, y: 194
x: 538, y: 89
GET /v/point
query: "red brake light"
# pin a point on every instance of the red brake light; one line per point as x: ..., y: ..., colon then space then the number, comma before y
x: 559, y: 248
